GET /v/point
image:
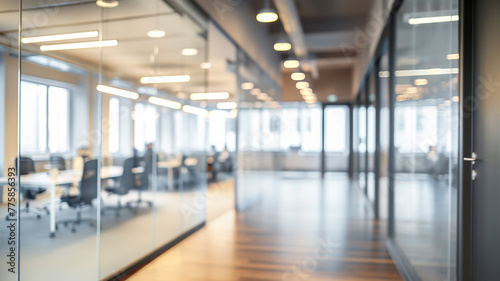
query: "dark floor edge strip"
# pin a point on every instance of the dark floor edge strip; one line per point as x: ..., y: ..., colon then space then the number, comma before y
x: 133, y: 268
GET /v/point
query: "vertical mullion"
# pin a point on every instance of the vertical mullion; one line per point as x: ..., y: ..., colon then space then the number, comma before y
x: 466, y: 133
x: 392, y: 105
x: 377, y: 139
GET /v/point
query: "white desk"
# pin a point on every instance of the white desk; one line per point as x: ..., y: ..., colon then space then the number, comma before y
x: 64, y: 178
x: 171, y: 164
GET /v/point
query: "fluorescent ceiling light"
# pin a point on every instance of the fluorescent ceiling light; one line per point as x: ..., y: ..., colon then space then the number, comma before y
x: 59, y: 37
x: 189, y: 52
x: 247, y: 86
x: 195, y: 110
x: 156, y: 33
x: 227, y: 105
x: 118, y: 92
x: 205, y: 65
x: 82, y: 45
x: 426, y: 72
x: 267, y: 15
x: 107, y: 3
x: 298, y: 76
x: 281, y: 47
x: 453, y: 56
x: 164, y: 102
x: 302, y: 85
x: 455, y: 99
x: 291, y: 64
x: 165, y: 79
x: 210, y: 96
x: 417, y: 21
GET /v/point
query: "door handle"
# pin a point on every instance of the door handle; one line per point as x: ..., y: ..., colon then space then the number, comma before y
x: 472, y: 159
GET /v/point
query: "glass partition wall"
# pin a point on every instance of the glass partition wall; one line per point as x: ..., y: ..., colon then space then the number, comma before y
x: 426, y: 139
x: 113, y: 146
x: 9, y: 141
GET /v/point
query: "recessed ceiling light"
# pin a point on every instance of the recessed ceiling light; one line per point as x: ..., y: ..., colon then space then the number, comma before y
x: 267, y: 15
x: 82, y: 45
x: 165, y: 79
x: 282, y: 47
x: 453, y: 56
x: 421, y: 82
x: 247, y: 86
x: 262, y: 96
x: 205, y: 65
x: 306, y: 91
x: 291, y: 64
x: 156, y: 33
x: 189, y: 52
x: 59, y: 37
x: 255, y: 91
x: 302, y: 85
x: 298, y: 76
x: 107, y: 3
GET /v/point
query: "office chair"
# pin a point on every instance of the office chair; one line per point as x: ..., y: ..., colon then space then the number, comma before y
x: 127, y: 182
x: 88, y: 192
x: 58, y: 161
x: 27, y: 166
x: 143, y: 183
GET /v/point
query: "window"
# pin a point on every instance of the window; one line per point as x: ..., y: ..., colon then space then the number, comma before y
x: 114, y: 125
x: 144, y: 125
x: 336, y: 128
x: 311, y: 121
x: 45, y: 119
x: 217, y: 129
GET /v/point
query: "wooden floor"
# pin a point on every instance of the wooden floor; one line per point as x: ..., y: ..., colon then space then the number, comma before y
x: 304, y: 229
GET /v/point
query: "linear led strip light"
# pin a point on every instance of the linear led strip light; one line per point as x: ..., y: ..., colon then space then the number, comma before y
x: 118, y: 92
x: 165, y: 103
x: 195, y: 110
x: 427, y: 20
x: 82, y: 45
x: 421, y: 72
x: 60, y: 37
x: 165, y: 79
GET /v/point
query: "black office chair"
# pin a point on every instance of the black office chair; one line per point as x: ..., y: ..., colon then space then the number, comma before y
x: 88, y: 192
x: 27, y: 166
x: 143, y: 183
x: 58, y: 161
x: 127, y: 182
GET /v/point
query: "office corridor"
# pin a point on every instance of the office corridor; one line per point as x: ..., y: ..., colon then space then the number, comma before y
x: 303, y: 229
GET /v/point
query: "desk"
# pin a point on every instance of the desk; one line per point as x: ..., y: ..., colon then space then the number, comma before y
x: 171, y: 164
x: 64, y: 178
